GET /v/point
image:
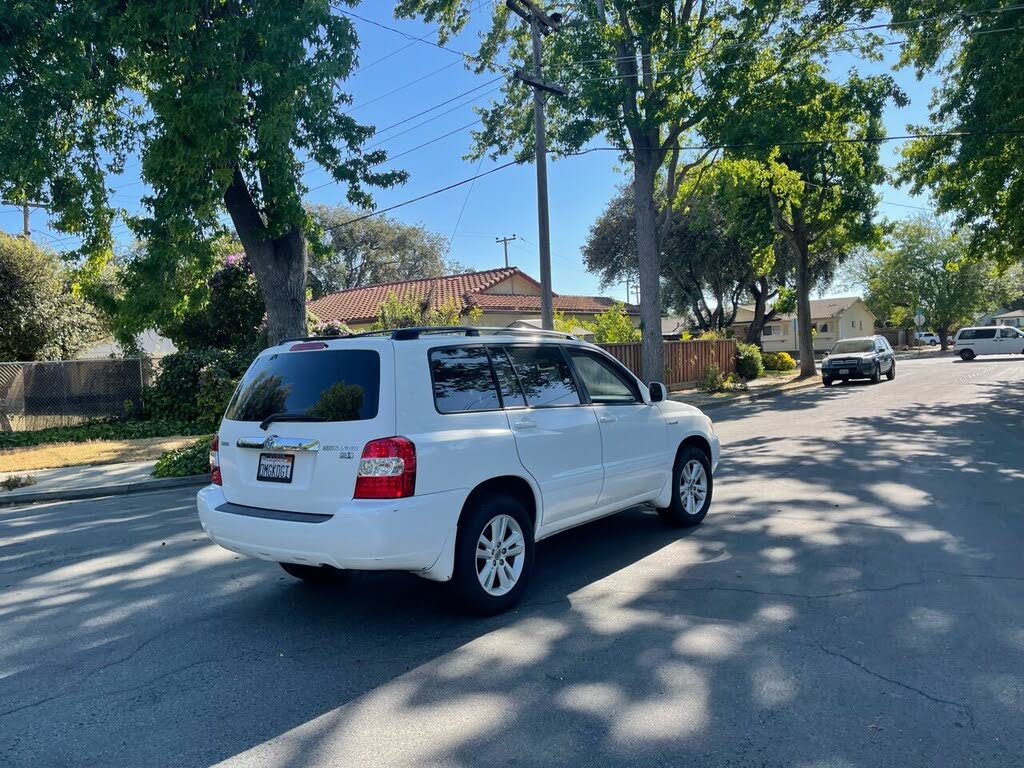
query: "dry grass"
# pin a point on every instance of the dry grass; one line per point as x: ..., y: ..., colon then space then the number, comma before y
x: 95, y: 452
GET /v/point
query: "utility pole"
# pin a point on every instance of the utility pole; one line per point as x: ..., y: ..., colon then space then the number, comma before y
x: 505, y: 241
x: 25, y: 205
x: 541, y: 23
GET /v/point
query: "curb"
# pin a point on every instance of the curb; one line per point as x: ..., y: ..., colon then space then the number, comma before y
x: 751, y: 396
x: 76, y: 494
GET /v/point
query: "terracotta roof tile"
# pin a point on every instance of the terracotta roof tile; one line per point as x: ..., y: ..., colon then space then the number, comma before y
x: 361, y: 305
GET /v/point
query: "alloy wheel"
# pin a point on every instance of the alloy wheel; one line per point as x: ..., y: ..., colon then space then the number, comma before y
x: 500, y: 555
x: 693, y: 486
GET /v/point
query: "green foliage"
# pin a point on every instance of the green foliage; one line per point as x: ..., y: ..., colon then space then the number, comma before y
x: 42, y: 314
x: 924, y: 267
x: 350, y: 251
x: 975, y: 170
x: 192, y: 459
x: 475, y: 314
x: 749, y: 364
x: 14, y: 482
x: 711, y: 380
x: 107, y: 429
x: 194, y: 386
x: 226, y: 104
x: 317, y: 327
x: 785, y: 304
x: 613, y: 326
x: 408, y: 312
x: 778, y: 361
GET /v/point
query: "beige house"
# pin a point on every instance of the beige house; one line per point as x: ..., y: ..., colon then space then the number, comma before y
x: 1015, y: 318
x: 833, y: 319
x: 505, y: 296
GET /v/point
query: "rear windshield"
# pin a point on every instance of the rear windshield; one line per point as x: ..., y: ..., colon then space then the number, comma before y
x: 325, y: 385
x: 853, y: 346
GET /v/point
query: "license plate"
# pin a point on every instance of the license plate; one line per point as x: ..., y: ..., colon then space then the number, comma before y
x: 275, y: 467
x: 844, y: 371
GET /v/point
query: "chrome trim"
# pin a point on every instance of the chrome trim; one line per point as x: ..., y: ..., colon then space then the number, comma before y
x: 275, y: 443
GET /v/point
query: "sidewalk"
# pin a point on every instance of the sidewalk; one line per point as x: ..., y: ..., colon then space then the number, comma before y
x: 764, y: 387
x: 86, y: 482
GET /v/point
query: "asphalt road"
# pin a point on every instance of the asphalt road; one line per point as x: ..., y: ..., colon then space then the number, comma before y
x: 855, y: 598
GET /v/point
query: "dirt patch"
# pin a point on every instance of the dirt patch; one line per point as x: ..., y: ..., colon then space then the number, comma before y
x: 94, y: 452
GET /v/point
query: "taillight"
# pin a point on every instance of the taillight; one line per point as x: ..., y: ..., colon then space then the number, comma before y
x: 387, y: 469
x: 215, y: 477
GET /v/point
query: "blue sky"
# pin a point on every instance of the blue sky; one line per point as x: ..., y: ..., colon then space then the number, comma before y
x: 401, y: 78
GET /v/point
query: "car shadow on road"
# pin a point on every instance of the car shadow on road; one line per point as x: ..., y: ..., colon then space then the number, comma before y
x: 802, y: 624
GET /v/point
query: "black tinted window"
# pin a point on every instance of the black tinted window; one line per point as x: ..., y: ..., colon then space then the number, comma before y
x: 511, y: 395
x: 326, y: 385
x: 462, y: 380
x: 985, y: 333
x: 545, y: 376
x: 604, y: 383
x: 966, y: 334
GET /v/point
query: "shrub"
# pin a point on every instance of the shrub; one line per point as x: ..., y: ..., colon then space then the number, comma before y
x: 779, y: 361
x: 748, y: 361
x: 192, y: 459
x: 17, y: 481
x: 192, y: 384
x: 734, y: 382
x: 711, y: 380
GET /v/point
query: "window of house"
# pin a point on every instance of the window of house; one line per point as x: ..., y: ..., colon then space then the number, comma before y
x: 824, y: 328
x: 860, y: 324
x: 769, y: 330
x: 853, y: 324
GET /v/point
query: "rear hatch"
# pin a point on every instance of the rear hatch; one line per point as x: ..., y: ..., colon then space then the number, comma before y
x: 294, y: 431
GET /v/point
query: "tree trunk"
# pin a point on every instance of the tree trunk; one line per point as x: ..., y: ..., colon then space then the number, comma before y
x: 760, y: 291
x: 803, y: 308
x: 943, y: 331
x: 649, y: 259
x: 278, y: 263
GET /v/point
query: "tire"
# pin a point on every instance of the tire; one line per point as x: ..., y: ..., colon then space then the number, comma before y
x: 967, y: 355
x: 678, y: 513
x: 876, y: 375
x: 932, y: 343
x: 891, y: 373
x: 311, y: 574
x: 478, y: 562
x: 825, y: 380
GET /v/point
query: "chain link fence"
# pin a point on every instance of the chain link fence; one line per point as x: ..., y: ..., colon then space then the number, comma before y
x: 67, y: 392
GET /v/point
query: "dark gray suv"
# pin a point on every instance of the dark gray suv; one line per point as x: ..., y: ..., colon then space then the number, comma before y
x: 866, y: 358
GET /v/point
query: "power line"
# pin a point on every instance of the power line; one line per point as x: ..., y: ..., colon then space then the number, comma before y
x: 361, y: 104
x: 465, y: 202
x: 457, y: 96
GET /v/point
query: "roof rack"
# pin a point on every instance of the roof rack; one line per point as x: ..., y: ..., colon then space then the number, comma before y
x: 404, y: 334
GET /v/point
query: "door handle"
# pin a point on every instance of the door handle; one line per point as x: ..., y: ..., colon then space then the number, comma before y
x: 524, y: 424
x: 605, y: 418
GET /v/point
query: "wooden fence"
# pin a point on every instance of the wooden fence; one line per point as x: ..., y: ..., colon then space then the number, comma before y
x: 685, y: 361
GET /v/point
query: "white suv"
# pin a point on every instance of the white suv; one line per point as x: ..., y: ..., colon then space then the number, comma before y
x: 444, y: 452
x: 993, y: 340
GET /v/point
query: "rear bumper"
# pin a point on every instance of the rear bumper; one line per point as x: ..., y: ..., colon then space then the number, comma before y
x: 371, y: 535
x: 854, y: 373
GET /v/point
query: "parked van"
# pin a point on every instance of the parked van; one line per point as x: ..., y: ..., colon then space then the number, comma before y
x: 444, y: 452
x: 993, y: 340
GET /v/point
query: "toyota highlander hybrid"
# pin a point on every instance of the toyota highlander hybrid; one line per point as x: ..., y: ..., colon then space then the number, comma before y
x: 444, y: 452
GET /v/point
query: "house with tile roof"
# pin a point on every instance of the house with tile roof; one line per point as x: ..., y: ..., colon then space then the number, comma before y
x: 833, y: 319
x: 504, y: 295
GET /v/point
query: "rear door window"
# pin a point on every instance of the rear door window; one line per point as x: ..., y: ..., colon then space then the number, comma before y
x: 325, y: 385
x: 545, y: 376
x: 462, y: 380
x: 985, y: 333
x: 511, y: 394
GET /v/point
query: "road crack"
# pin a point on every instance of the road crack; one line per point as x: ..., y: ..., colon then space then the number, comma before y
x: 963, y: 708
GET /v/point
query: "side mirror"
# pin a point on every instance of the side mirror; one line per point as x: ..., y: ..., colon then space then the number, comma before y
x: 658, y: 391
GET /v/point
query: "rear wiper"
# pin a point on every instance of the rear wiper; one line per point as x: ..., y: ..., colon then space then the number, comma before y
x: 283, y: 416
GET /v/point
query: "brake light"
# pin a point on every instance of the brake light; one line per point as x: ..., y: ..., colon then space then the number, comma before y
x: 215, y: 477
x: 306, y: 346
x: 387, y: 469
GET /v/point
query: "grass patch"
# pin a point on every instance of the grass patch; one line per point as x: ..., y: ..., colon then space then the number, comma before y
x: 94, y: 452
x: 109, y: 429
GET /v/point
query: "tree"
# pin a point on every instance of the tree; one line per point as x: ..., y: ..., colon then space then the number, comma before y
x: 43, y: 315
x: 819, y: 183
x: 644, y: 75
x: 973, y: 169
x: 350, y: 253
x: 613, y: 326
x: 226, y: 103
x: 408, y: 312
x: 925, y: 267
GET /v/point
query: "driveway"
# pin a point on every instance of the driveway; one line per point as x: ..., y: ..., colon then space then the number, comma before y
x: 855, y: 598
